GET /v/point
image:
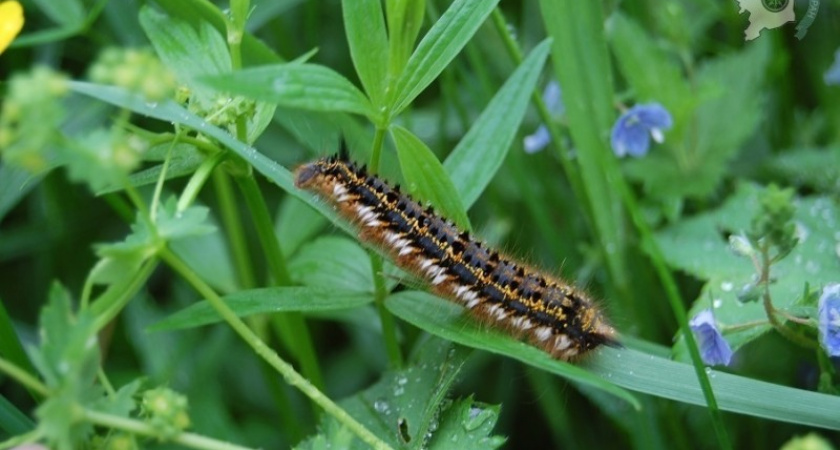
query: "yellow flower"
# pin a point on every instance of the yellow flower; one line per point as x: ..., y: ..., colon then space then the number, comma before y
x: 11, y: 21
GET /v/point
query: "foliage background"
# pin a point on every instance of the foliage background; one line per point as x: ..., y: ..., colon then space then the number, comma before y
x: 746, y: 115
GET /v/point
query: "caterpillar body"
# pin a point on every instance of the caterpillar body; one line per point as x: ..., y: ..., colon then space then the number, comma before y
x: 550, y: 313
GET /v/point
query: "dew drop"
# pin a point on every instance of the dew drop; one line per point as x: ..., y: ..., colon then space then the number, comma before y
x: 727, y: 286
x: 382, y: 406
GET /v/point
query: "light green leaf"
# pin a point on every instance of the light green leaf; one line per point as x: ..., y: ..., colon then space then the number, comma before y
x: 699, y: 247
x: 365, y: 28
x: 333, y: 261
x: 304, y: 86
x: 266, y: 301
x: 425, y: 177
x: 438, y: 48
x: 475, y: 160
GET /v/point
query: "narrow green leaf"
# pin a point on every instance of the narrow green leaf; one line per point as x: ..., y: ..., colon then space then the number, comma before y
x: 305, y: 86
x: 439, y: 47
x: 265, y: 301
x: 426, y: 178
x: 475, y: 160
x: 10, y: 346
x: 404, y: 21
x: 15, y: 183
x: 365, y: 28
x: 609, y: 368
x: 68, y: 13
x: 12, y: 420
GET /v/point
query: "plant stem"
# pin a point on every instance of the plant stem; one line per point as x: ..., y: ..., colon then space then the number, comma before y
x: 141, y: 428
x: 771, y: 311
x: 23, y: 377
x: 265, y: 352
x: 292, y: 325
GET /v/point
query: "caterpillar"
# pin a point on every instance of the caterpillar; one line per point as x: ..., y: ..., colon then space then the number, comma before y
x: 550, y: 313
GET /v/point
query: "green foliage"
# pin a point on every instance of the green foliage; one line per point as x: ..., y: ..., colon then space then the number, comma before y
x: 208, y: 298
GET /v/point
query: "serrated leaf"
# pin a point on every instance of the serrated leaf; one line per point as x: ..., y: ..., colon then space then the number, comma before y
x: 467, y: 424
x: 425, y: 178
x: 187, y: 51
x: 266, y: 301
x: 439, y: 47
x: 120, y: 404
x: 729, y: 109
x: 475, y: 160
x: 699, y: 247
x: 173, y: 224
x: 305, y: 86
x: 67, y: 359
x: 368, y: 41
x: 405, y: 408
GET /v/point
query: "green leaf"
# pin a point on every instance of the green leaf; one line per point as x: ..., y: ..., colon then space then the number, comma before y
x: 475, y: 160
x: 12, y: 420
x: 120, y: 404
x: 699, y: 247
x: 438, y: 48
x: 15, y: 183
x: 68, y: 13
x: 425, y: 177
x: 333, y: 261
x: 185, y: 160
x: 447, y: 320
x: 67, y: 360
x: 729, y: 110
x: 254, y: 51
x: 297, y: 223
x: 208, y: 255
x: 266, y: 301
x: 404, y: 22
x: 188, y: 51
x: 609, y: 368
x: 365, y: 28
x: 305, y: 86
x: 10, y: 345
x: 316, y: 130
x: 812, y: 167
x: 409, y: 408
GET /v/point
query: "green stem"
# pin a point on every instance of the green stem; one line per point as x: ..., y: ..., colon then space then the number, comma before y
x: 233, y: 228
x: 389, y: 326
x: 25, y: 438
x: 676, y: 302
x: 23, y: 377
x: 198, y: 179
x: 114, y: 299
x: 292, y: 325
x: 190, y: 440
x: 261, y: 349
x: 770, y: 310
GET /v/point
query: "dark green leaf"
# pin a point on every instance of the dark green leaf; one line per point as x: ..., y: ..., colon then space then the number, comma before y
x: 365, y: 27
x: 439, y: 47
x: 15, y: 183
x: 425, y: 177
x: 304, y: 86
x: 475, y: 160
x: 266, y: 301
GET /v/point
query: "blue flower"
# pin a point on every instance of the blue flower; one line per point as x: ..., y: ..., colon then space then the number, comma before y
x: 553, y: 98
x: 632, y: 131
x: 713, y: 347
x: 832, y: 75
x: 829, y: 320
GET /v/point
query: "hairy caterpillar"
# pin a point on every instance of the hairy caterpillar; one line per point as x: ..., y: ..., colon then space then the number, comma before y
x: 550, y: 313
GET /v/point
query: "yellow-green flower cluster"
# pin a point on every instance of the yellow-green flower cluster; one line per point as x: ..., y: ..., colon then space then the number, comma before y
x: 30, y: 118
x: 138, y: 70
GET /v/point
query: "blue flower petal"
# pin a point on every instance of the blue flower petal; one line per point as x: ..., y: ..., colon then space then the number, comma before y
x: 832, y: 75
x: 537, y: 141
x: 629, y: 137
x: 713, y: 347
x: 829, y: 319
x: 653, y: 115
x: 632, y: 131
